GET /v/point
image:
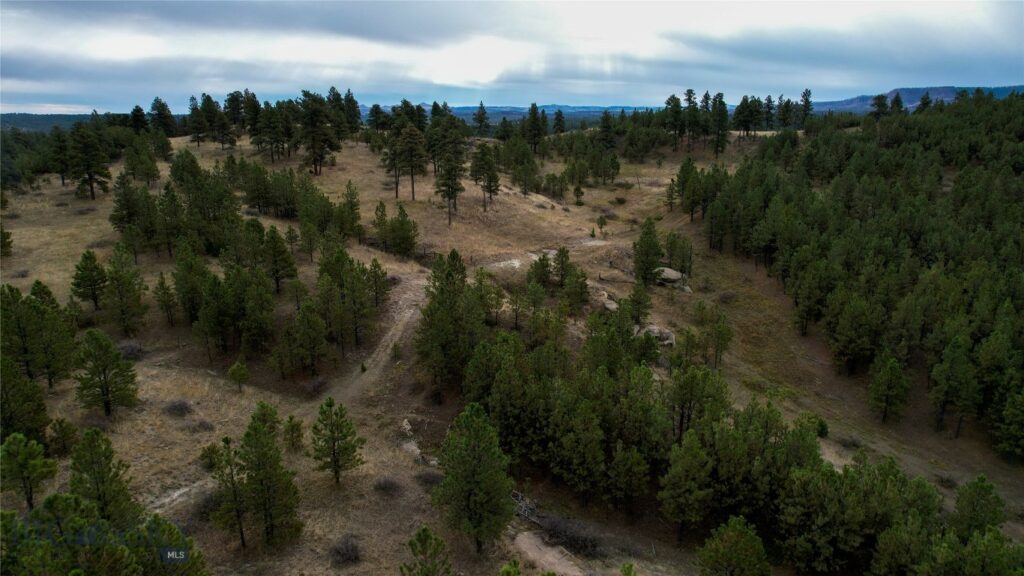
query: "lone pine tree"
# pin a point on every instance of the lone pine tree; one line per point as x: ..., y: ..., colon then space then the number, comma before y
x: 476, y: 486
x: 107, y: 379
x: 335, y: 445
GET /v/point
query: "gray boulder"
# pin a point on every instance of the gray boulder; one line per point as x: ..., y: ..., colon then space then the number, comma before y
x: 668, y: 275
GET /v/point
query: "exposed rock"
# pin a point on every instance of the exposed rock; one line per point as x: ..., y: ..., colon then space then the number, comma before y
x: 687, y: 289
x: 611, y: 305
x: 663, y: 336
x: 668, y: 275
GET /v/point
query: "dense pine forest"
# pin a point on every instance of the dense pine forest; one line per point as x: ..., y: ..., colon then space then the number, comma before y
x: 899, y: 237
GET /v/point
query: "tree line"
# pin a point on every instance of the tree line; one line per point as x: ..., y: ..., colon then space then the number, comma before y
x: 903, y: 240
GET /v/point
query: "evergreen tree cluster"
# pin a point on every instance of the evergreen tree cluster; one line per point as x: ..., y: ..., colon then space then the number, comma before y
x: 600, y: 422
x: 96, y: 527
x: 903, y: 240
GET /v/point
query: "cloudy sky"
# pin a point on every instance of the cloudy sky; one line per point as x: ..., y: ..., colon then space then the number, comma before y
x: 74, y: 57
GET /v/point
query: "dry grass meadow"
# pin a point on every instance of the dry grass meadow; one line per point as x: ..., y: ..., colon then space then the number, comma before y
x: 51, y: 228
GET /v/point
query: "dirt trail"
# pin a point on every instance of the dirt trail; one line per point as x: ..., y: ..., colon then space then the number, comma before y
x: 403, y: 309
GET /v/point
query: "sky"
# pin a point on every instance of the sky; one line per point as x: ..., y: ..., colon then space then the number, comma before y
x: 75, y: 57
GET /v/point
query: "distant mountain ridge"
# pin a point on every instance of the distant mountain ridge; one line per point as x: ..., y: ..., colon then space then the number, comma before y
x: 911, y: 97
x: 857, y: 105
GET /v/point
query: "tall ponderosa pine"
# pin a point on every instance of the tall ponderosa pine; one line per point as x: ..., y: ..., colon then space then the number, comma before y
x: 106, y: 379
x: 476, y: 486
x: 647, y: 254
x: 481, y: 121
x: 233, y: 509
x: 22, y: 405
x: 734, y: 549
x: 24, y: 467
x: 412, y: 154
x: 269, y: 487
x: 60, y: 153
x: 687, y: 489
x: 316, y: 133
x: 99, y: 477
x: 89, y: 158
x: 889, y: 387
x: 335, y: 442
x: 90, y: 279
x: 277, y: 258
x: 122, y: 296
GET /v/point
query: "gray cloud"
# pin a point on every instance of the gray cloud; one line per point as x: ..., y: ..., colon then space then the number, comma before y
x: 401, y: 39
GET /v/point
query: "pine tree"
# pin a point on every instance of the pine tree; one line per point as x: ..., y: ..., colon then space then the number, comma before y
x: 293, y: 434
x: 719, y: 124
x: 380, y: 224
x: 90, y: 279
x: 335, y: 445
x: 430, y: 556
x: 123, y: 293
x: 107, y: 379
x: 450, y: 170
x: 22, y: 319
x: 978, y: 507
x: 23, y: 467
x: 647, y: 254
x: 278, y: 259
x: 150, y: 541
x: 412, y: 154
x: 310, y: 336
x: 480, y: 120
x: 96, y: 476
x: 806, y: 106
x: 476, y: 486
x: 269, y: 487
x: 165, y: 299
x: 233, y: 508
x: 954, y: 382
x: 89, y: 159
x: 55, y: 347
x: 686, y: 488
x: 22, y: 406
x: 238, y: 373
x: 163, y: 118
x: 889, y: 387
x: 734, y: 549
x: 377, y: 280
x: 190, y: 278
x: 60, y: 153
x: 403, y: 233
x: 640, y: 303
x: 197, y: 124
x: 558, y: 125
x: 627, y: 474
x: 6, y: 243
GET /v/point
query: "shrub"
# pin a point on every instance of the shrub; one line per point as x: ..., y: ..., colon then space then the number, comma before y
x: 429, y: 478
x: 209, y: 456
x: 346, y: 551
x: 178, y: 408
x: 572, y: 534
x: 387, y: 486
x: 814, y: 422
x: 62, y: 438
x: 131, y: 349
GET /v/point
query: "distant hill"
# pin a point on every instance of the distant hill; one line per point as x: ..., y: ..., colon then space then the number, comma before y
x: 856, y: 105
x: 40, y: 122
x: 910, y: 96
